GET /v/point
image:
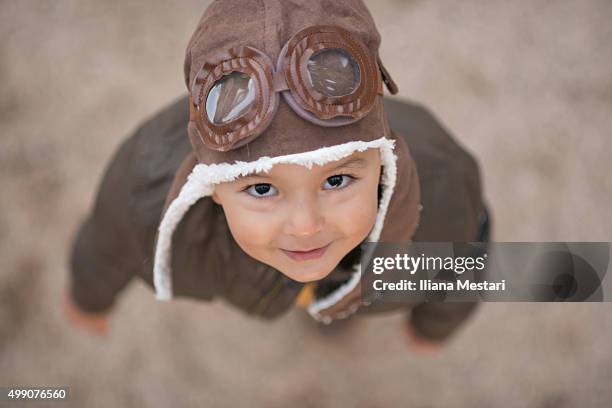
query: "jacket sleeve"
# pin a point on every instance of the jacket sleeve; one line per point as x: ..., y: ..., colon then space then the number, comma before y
x: 453, y: 205
x: 106, y: 252
x: 439, y: 320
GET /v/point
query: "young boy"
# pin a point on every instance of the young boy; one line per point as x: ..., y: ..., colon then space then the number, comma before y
x: 287, y: 164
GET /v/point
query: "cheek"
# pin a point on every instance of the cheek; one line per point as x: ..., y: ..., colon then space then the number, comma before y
x: 356, y: 216
x: 250, y: 228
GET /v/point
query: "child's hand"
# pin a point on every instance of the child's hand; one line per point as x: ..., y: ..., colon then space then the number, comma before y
x: 420, y: 344
x: 94, y: 323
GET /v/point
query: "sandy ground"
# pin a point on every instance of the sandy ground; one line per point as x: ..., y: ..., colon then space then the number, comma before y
x: 526, y: 86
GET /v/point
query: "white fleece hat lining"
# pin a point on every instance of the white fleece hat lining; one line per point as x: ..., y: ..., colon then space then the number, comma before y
x: 201, y: 181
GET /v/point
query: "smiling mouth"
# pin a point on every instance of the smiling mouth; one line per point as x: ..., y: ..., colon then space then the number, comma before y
x: 306, y: 255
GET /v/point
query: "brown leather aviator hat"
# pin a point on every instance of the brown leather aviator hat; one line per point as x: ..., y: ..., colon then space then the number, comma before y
x: 288, y: 81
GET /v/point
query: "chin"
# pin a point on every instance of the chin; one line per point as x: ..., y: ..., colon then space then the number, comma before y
x: 307, y: 275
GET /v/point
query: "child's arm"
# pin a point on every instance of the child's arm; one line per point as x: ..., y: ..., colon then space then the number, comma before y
x: 435, y: 322
x: 106, y: 252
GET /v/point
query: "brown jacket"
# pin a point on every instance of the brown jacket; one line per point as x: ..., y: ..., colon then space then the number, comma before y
x: 116, y: 242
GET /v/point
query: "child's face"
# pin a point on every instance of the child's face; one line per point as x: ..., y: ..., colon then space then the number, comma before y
x: 292, y: 208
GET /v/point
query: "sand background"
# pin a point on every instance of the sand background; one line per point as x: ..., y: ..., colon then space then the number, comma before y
x: 526, y: 86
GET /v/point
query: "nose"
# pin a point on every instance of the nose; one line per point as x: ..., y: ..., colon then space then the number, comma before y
x: 304, y: 218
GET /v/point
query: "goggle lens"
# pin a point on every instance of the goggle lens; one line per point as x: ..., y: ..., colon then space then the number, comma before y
x: 333, y: 72
x: 230, y: 98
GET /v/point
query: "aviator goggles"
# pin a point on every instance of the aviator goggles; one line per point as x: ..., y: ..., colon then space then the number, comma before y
x: 324, y: 73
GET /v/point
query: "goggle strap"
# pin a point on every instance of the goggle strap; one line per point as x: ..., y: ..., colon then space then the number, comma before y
x: 386, y: 77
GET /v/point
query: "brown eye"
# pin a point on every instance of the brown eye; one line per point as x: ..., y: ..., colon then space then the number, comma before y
x: 261, y: 190
x: 337, y: 182
x: 230, y: 98
x: 333, y: 72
